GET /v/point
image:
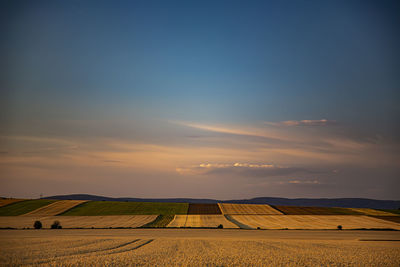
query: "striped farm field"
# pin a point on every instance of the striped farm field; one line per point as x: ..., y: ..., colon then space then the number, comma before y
x: 7, y: 201
x: 212, y: 221
x: 314, y: 222
x: 160, y: 222
x: 133, y: 221
x: 292, y: 210
x: 395, y: 219
x: 23, y: 207
x: 373, y: 212
x: 55, y: 208
x: 100, y: 208
x: 203, y: 209
x: 247, y: 209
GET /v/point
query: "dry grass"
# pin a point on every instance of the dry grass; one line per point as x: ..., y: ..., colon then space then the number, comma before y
x: 6, y: 201
x: 314, y: 222
x: 21, y: 222
x: 244, y: 209
x: 201, y: 221
x: 372, y: 212
x: 55, y: 208
x: 191, y: 248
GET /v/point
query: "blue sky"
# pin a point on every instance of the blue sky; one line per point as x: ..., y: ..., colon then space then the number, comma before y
x: 231, y: 76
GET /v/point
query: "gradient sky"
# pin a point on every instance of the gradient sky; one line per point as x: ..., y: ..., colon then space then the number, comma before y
x: 216, y: 99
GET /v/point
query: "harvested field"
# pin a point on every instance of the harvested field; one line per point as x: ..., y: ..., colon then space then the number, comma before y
x: 292, y: 210
x: 372, y: 212
x: 21, y: 222
x: 314, y: 222
x: 7, y: 201
x: 23, y: 207
x: 99, y: 208
x: 160, y: 222
x: 55, y: 208
x: 395, y: 219
x: 247, y: 209
x: 202, y: 247
x: 201, y: 221
x: 204, y: 209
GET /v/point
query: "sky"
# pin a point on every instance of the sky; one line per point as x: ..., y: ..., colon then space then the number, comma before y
x: 200, y: 99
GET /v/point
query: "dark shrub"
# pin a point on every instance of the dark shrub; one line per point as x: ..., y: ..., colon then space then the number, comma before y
x: 220, y: 226
x: 339, y: 227
x: 56, y: 225
x: 258, y: 228
x: 37, y: 225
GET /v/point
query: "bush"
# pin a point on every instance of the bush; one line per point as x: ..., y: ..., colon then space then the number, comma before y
x: 37, y: 225
x: 56, y: 225
x: 220, y: 226
x: 339, y: 227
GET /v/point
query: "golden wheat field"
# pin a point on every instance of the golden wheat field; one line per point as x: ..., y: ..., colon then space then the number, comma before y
x: 201, y: 221
x: 244, y: 209
x: 198, y: 247
x: 20, y: 222
x: 314, y: 222
x: 55, y: 208
x: 372, y: 212
x: 6, y: 201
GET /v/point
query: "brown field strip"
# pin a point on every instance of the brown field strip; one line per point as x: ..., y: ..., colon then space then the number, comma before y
x: 372, y: 212
x: 314, y: 222
x: 247, y: 209
x: 113, y: 221
x: 201, y: 221
x: 55, y: 208
x: 6, y: 201
x: 203, y: 209
x: 293, y: 210
x: 392, y: 218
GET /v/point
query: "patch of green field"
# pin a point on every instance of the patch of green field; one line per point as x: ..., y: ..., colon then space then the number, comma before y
x: 93, y: 208
x: 395, y: 211
x: 22, y: 207
x: 160, y: 222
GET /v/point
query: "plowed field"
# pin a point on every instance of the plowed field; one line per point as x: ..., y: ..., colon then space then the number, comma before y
x: 314, y: 222
x: 77, y: 221
x: 395, y: 219
x: 292, y: 210
x: 201, y: 221
x: 247, y: 209
x: 55, y: 208
x: 203, y: 209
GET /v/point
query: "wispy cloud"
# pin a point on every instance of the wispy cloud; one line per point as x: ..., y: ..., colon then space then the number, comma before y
x: 322, y: 122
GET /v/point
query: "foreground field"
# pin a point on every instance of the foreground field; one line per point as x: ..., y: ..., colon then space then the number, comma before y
x: 314, y: 222
x: 205, y: 247
x: 20, y: 222
x: 55, y: 208
x: 201, y: 221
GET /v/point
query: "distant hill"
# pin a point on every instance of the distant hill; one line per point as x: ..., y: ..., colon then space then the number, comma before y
x: 310, y: 202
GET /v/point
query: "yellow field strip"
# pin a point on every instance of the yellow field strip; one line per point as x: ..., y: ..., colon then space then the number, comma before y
x: 6, y: 201
x: 78, y: 221
x: 201, y: 221
x: 373, y: 212
x: 55, y: 208
x: 245, y: 209
x: 314, y: 222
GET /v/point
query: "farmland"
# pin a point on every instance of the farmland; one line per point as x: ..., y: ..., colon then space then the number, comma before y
x: 202, y: 247
x: 23, y: 207
x: 55, y: 208
x: 313, y: 222
x: 292, y: 210
x: 115, y: 221
x: 203, y: 209
x: 7, y: 201
x: 100, y: 208
x: 372, y: 212
x: 201, y: 221
x: 246, y: 209
x: 160, y: 222
x: 389, y: 218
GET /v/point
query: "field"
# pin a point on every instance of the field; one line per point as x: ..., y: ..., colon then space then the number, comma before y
x: 55, y: 208
x: 246, y: 209
x: 99, y: 208
x: 203, y: 209
x: 313, y: 222
x: 23, y: 207
x: 114, y: 221
x: 292, y: 210
x: 201, y: 221
x: 198, y: 247
x: 6, y: 201
x: 372, y: 212
x: 389, y: 218
x: 160, y: 221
